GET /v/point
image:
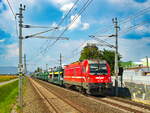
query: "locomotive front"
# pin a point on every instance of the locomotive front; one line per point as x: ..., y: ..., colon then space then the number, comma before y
x: 98, y: 77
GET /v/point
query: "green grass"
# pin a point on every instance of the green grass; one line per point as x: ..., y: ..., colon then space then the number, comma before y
x: 8, y: 94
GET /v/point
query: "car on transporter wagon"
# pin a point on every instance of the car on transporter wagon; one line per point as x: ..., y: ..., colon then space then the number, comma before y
x: 89, y: 76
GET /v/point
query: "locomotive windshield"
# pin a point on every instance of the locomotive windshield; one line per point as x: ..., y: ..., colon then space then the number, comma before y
x: 98, y: 69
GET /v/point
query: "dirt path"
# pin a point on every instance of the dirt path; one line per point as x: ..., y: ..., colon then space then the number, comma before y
x: 6, y: 82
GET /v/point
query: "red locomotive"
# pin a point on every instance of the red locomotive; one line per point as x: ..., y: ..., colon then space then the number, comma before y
x: 91, y: 76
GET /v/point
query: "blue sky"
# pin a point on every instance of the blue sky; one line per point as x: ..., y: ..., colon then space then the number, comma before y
x: 134, y: 43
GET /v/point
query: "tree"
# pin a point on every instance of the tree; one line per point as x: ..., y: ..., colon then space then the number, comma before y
x: 127, y: 64
x: 90, y: 52
x: 109, y: 56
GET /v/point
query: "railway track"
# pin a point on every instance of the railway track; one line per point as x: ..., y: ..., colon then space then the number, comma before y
x: 54, y: 102
x: 123, y: 105
x: 144, y: 106
x: 93, y: 104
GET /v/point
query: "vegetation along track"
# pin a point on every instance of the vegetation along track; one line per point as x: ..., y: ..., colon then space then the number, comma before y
x: 97, y: 104
x: 55, y: 103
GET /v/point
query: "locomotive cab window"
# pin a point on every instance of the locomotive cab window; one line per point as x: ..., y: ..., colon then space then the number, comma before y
x: 98, y: 69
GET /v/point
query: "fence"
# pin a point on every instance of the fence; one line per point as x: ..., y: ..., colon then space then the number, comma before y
x: 135, y: 85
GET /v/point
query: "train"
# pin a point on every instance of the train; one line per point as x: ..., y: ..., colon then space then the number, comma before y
x: 89, y: 76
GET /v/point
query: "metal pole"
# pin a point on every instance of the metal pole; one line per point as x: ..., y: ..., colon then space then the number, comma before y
x: 46, y: 67
x: 116, y: 56
x: 147, y: 63
x: 25, y: 66
x: 20, y: 56
x: 60, y: 60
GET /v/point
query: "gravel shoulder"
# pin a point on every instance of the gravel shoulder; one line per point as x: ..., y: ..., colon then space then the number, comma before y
x: 33, y: 103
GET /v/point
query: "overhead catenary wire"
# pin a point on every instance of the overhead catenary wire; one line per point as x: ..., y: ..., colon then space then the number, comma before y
x: 79, y: 13
x: 123, y: 21
x: 73, y: 20
x: 139, y: 13
x: 61, y: 21
x: 126, y: 20
x: 75, y: 51
x: 104, y: 43
x: 14, y: 14
x: 79, y: 46
x: 132, y: 27
x: 11, y: 8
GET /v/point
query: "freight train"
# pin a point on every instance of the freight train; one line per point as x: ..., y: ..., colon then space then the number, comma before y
x: 89, y: 76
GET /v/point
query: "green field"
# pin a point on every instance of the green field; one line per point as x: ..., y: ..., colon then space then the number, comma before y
x: 8, y: 95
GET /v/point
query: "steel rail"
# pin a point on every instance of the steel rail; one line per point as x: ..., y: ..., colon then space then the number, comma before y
x: 47, y: 100
x: 77, y: 107
x: 109, y: 102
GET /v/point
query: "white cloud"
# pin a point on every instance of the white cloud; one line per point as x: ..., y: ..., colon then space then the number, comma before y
x: 12, y: 50
x: 84, y: 43
x: 116, y: 1
x: 2, y: 40
x: 85, y: 26
x: 61, y: 2
x: 66, y: 7
x: 54, y: 24
x: 7, y: 16
x: 133, y: 49
x: 76, y: 23
x: 144, y: 59
x: 130, y: 49
x: 63, y: 5
x: 141, y: 29
x: 30, y: 2
x: 52, y: 55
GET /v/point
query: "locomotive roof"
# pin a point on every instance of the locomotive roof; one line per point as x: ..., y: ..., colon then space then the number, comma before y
x: 89, y: 61
x: 96, y: 61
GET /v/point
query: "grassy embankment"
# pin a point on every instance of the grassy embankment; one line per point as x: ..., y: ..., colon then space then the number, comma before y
x: 6, y: 77
x: 8, y: 96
